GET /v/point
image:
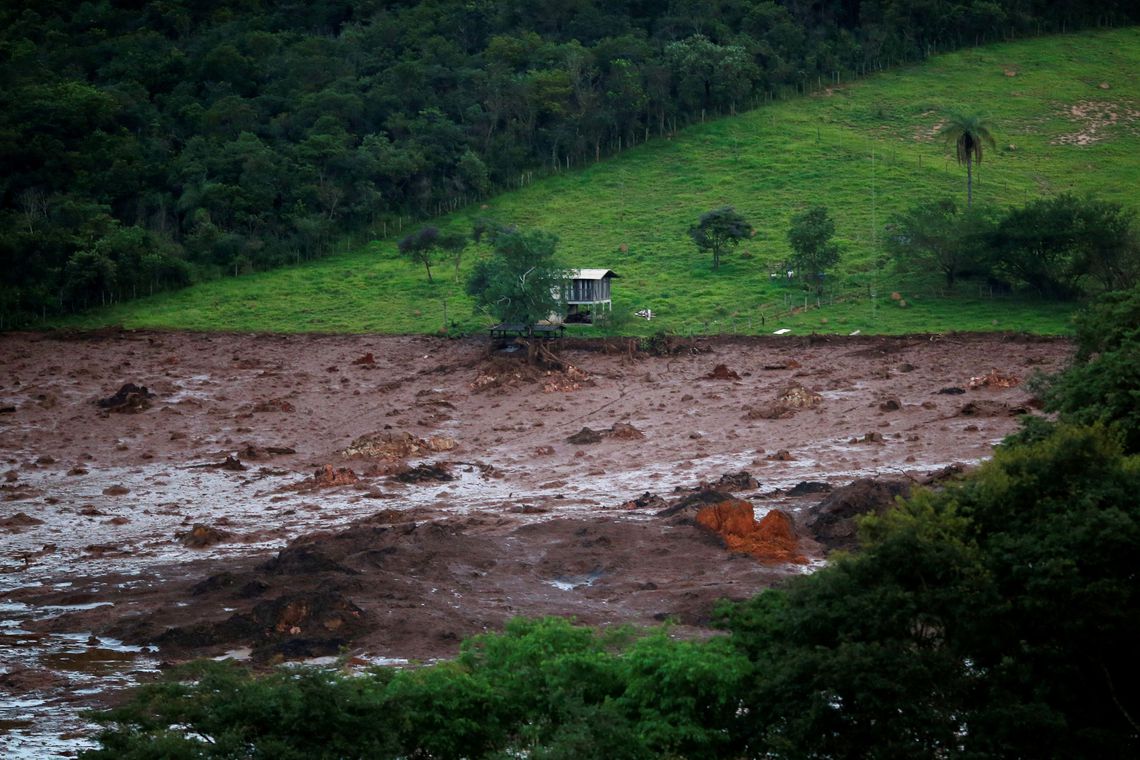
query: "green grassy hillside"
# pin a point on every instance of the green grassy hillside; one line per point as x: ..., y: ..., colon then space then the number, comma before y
x: 1067, y: 116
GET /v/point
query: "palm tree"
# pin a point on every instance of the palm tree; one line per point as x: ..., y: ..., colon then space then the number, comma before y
x: 968, y: 132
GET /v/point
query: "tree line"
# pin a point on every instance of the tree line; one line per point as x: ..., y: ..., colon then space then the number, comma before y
x: 149, y: 145
x: 994, y: 618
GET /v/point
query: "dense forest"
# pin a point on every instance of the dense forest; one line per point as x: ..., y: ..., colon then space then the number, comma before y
x: 147, y: 145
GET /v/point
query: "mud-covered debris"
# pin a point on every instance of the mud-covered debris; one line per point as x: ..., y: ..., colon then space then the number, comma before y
x: 129, y: 399
x: 11, y: 476
x: 952, y: 471
x: 737, y: 481
x: 19, y: 521
x: 890, y: 405
x: 783, y: 455
x: 213, y: 583
x: 625, y: 432
x: 722, y: 372
x: 994, y: 379
x: 368, y: 360
x: 201, y: 536
x: 327, y: 476
x: 585, y: 436
x: 833, y: 520
x: 769, y: 410
x: 647, y: 500
x: 805, y: 487
x: 686, y: 508
x: 250, y: 451
x: 7, y: 409
x: 906, y: 367
x: 230, y: 463
x: 544, y: 451
x: 565, y: 380
x: 394, y: 446
x: 273, y: 405
x: 799, y: 397
x: 116, y: 490
x: 424, y: 473
x: 872, y: 437
x: 952, y: 390
x: 773, y: 540
x: 985, y: 408
x: 303, y: 559
x: 786, y: 364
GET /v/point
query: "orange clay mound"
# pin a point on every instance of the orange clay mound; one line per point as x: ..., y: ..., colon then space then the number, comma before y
x: 771, y: 541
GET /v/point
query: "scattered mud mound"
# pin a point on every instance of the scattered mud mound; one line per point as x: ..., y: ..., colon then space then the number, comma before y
x: 326, y: 477
x: 994, y: 379
x: 368, y: 360
x: 393, y: 446
x: 799, y: 397
x: 506, y: 374
x: 622, y: 431
x: 18, y: 521
x: 833, y: 520
x: 722, y: 372
x: 771, y: 541
x: 129, y: 399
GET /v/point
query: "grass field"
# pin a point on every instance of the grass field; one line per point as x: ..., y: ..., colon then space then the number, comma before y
x: 1067, y: 116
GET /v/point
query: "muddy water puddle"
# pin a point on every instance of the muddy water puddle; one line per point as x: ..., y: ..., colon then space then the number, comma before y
x: 85, y: 531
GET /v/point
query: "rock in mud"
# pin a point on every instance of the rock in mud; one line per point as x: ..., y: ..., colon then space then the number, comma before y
x: 129, y: 399
x: 833, y: 520
x: 737, y: 481
x: 273, y: 405
x: 952, y: 390
x: 626, y: 432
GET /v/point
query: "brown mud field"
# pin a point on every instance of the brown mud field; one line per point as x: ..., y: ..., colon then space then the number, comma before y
x: 376, y: 498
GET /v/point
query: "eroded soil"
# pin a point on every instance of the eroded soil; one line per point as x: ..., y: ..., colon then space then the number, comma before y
x: 291, y: 497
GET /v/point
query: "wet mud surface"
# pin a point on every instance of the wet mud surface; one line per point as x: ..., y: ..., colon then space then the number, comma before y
x: 171, y: 495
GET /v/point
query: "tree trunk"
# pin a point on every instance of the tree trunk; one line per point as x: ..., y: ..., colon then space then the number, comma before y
x: 969, y: 182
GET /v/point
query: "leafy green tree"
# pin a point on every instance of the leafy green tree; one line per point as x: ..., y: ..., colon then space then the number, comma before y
x: 969, y: 133
x: 519, y: 282
x: 813, y: 250
x: 425, y: 244
x: 718, y: 230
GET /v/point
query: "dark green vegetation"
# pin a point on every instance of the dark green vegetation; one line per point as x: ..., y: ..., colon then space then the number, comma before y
x: 1060, y: 247
x: 996, y: 618
x: 813, y: 250
x: 149, y: 145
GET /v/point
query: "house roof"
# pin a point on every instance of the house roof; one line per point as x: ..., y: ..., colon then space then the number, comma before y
x: 591, y: 274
